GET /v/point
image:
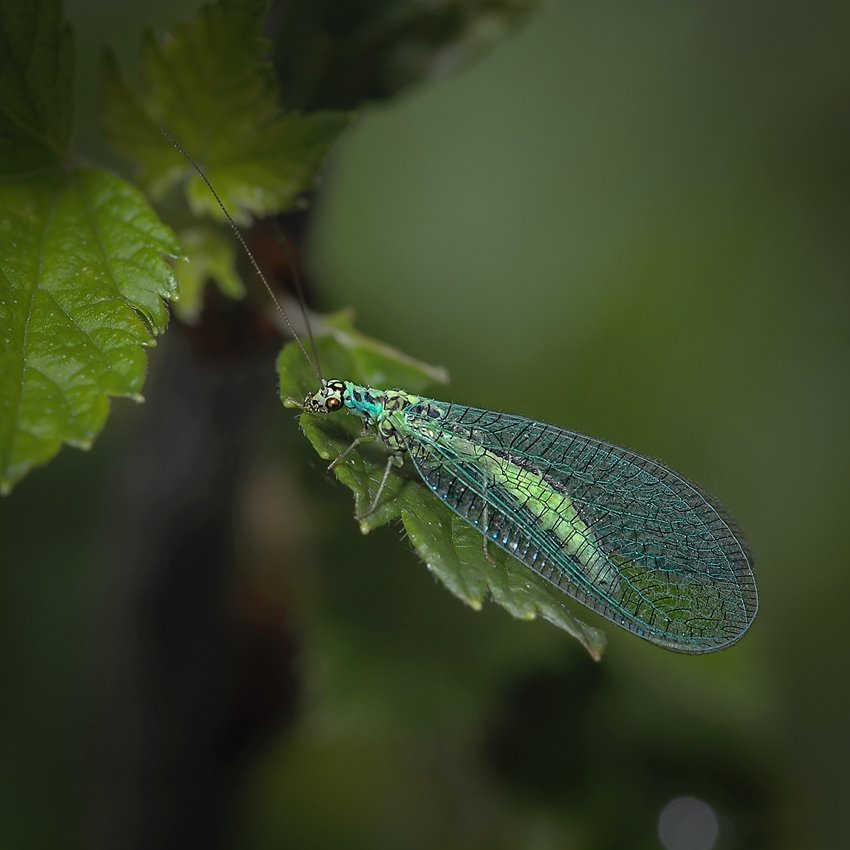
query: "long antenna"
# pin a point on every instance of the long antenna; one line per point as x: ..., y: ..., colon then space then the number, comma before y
x: 241, y: 238
x: 283, y: 241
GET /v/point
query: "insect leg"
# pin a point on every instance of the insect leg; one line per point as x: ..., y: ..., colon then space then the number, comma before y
x: 363, y: 438
x: 392, y: 460
x: 485, y: 522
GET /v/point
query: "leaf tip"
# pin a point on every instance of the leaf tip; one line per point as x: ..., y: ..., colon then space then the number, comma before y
x: 594, y: 641
x: 366, y: 526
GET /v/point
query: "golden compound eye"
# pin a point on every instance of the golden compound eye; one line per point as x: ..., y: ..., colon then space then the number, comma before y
x: 333, y: 404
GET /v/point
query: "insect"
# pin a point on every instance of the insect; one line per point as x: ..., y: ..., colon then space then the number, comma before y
x: 620, y: 533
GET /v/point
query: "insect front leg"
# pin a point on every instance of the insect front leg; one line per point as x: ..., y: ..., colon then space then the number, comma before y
x: 365, y: 437
x: 395, y: 459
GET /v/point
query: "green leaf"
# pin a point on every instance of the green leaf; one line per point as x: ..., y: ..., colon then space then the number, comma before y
x: 380, y: 364
x: 35, y: 85
x: 82, y: 283
x: 342, y: 54
x: 451, y: 549
x: 212, y: 256
x: 82, y: 274
x: 209, y: 84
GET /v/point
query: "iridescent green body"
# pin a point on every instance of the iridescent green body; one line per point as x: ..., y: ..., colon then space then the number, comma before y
x: 621, y: 533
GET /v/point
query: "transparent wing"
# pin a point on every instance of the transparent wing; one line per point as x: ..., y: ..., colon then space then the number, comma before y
x: 621, y: 533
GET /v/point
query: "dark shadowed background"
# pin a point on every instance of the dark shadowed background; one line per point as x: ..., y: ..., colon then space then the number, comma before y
x: 630, y: 219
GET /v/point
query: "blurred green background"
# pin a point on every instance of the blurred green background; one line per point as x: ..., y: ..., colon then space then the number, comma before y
x: 630, y: 219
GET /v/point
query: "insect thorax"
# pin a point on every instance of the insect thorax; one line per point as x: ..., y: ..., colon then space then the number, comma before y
x: 375, y: 406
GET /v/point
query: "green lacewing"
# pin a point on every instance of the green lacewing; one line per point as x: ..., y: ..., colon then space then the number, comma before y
x: 619, y: 532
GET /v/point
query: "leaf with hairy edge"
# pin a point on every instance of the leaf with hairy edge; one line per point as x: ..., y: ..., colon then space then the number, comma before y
x: 451, y: 549
x: 210, y: 85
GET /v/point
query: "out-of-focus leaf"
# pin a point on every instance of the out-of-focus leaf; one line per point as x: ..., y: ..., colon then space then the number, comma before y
x: 339, y: 55
x: 452, y: 550
x: 209, y: 84
x: 35, y: 85
x: 380, y: 363
x: 212, y: 256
